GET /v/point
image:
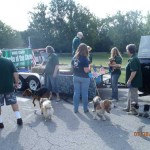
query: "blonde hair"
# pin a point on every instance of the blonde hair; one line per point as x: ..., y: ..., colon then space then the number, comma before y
x: 82, y: 51
x: 115, y: 52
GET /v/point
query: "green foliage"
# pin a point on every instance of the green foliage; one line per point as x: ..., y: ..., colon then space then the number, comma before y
x: 9, y: 38
x: 147, y: 24
x: 123, y: 29
x: 58, y: 22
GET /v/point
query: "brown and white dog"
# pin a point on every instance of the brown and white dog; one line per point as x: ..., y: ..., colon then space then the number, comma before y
x: 46, y: 108
x: 101, y: 106
x: 96, y: 100
x: 38, y: 94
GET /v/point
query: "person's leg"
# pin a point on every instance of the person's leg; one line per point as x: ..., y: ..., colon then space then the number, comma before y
x: 114, y: 81
x: 54, y: 82
x: 128, y: 101
x: 10, y: 99
x: 76, y: 95
x: 85, y: 82
x: 1, y: 104
x: 134, y: 95
x: 48, y: 84
x: 1, y: 121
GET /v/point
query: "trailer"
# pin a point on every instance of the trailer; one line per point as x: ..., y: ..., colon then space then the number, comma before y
x: 23, y: 61
x: 26, y: 60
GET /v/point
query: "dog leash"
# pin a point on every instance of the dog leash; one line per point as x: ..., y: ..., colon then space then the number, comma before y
x: 96, y: 87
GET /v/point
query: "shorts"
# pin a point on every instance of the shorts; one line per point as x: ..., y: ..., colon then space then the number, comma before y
x: 10, y: 98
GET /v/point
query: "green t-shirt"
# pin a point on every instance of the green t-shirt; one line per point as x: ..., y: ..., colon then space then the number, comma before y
x: 134, y: 65
x: 75, y: 43
x: 118, y: 60
x: 7, y: 69
x: 52, y: 61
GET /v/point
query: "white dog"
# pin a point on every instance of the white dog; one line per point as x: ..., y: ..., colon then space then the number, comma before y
x: 46, y: 108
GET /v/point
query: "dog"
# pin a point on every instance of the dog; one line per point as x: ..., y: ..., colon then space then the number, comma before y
x: 138, y: 110
x: 112, y: 62
x: 100, y: 107
x: 96, y: 100
x: 38, y: 94
x: 46, y: 108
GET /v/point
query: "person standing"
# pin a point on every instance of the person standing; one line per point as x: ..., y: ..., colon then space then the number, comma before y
x: 133, y: 76
x: 81, y: 80
x: 76, y: 42
x: 115, y: 71
x: 0, y: 53
x: 90, y: 55
x: 8, y: 81
x: 51, y: 71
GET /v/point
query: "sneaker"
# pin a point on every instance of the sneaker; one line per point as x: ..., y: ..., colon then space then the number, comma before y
x: 114, y: 100
x: 1, y: 125
x: 75, y: 112
x: 86, y: 111
x: 57, y: 98
x: 126, y: 109
x: 19, y: 121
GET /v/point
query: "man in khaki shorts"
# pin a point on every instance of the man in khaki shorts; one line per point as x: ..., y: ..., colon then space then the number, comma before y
x: 8, y: 80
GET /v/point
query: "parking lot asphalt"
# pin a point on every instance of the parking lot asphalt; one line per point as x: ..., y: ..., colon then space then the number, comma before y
x: 70, y: 131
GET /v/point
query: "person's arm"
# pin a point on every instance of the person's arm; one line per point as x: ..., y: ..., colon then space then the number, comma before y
x: 56, y: 62
x: 87, y: 69
x: 133, y: 68
x: 16, y: 78
x: 86, y: 66
x: 131, y: 78
x: 43, y: 63
x: 115, y: 65
x: 55, y: 71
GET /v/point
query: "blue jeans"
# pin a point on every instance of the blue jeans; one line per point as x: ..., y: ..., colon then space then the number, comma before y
x: 81, y: 86
x: 51, y: 83
x: 114, y: 85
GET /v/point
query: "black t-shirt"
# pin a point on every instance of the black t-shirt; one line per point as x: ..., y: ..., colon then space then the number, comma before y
x: 78, y: 66
x: 6, y: 76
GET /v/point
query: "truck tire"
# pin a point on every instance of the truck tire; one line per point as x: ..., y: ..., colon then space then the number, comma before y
x: 22, y: 85
x: 33, y: 83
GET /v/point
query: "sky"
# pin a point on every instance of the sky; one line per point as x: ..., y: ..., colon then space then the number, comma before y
x: 15, y: 12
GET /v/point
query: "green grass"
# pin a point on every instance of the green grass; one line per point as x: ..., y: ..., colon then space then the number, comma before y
x: 98, y: 59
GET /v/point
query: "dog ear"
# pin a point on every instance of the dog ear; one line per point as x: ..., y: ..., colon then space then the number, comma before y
x: 27, y: 92
x: 107, y: 104
x: 96, y: 98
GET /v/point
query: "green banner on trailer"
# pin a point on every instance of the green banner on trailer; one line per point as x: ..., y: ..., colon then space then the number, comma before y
x: 20, y: 57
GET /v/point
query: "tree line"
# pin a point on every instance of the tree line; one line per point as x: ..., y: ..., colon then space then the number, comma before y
x: 58, y: 22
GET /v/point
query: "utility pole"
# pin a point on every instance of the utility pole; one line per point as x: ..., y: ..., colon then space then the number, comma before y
x: 29, y: 41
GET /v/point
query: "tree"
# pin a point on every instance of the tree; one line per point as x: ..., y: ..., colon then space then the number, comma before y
x: 40, y: 27
x: 125, y: 28
x: 147, y: 24
x: 58, y: 23
x: 9, y: 38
